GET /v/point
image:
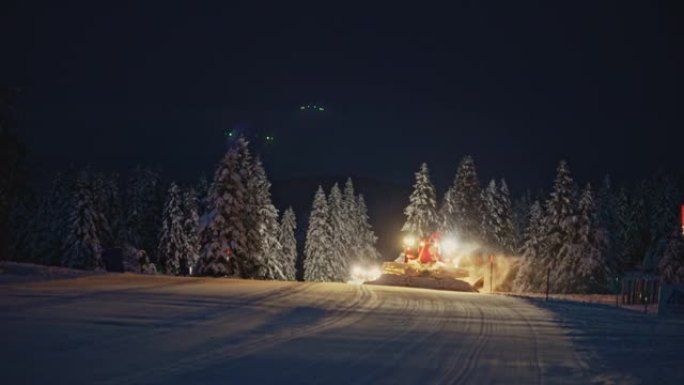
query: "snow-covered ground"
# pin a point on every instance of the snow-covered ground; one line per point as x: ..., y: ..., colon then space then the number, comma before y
x: 128, y: 329
x: 623, y: 346
x: 13, y: 272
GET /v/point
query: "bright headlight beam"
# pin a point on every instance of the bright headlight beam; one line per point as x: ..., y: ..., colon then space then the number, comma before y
x: 448, y: 245
x: 409, y: 241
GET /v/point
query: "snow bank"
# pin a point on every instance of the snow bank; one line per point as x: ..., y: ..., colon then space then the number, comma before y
x: 14, y: 272
x: 603, y: 299
x: 624, y: 347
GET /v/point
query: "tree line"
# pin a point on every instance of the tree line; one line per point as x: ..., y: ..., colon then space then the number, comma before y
x: 226, y: 227
x: 583, y: 237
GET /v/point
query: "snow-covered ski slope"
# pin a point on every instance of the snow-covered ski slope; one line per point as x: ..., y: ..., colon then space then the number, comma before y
x: 127, y: 329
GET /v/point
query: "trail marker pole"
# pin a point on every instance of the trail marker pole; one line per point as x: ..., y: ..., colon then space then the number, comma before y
x: 548, y: 278
x: 491, y: 272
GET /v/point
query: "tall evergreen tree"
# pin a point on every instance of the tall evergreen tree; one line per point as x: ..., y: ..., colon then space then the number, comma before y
x: 623, y: 230
x: 368, y: 252
x: 531, y: 271
x: 671, y: 266
x: 252, y: 261
x: 82, y: 244
x: 447, y: 212
x: 202, y: 190
x: 25, y: 222
x: 318, y: 259
x: 421, y: 213
x: 172, y: 238
x: 350, y: 203
x: 497, y: 218
x: 49, y: 226
x: 638, y: 230
x: 190, y: 228
x: 263, y: 217
x: 144, y: 204
x: 362, y: 246
x: 521, y: 211
x: 606, y: 216
x: 223, y: 237
x: 559, y: 216
x: 465, y: 201
x: 341, y: 222
x: 288, y: 242
x: 505, y: 234
x: 104, y: 200
x: 662, y: 206
x: 582, y: 264
x: 490, y: 211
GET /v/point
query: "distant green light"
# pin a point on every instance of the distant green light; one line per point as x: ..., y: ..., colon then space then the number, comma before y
x: 321, y: 109
x: 302, y: 107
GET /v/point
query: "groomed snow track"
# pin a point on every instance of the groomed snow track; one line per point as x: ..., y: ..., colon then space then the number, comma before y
x: 126, y: 329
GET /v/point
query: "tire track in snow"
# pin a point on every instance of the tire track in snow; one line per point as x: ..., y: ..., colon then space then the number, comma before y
x: 458, y: 368
x: 252, y: 344
x: 535, y: 346
x: 431, y: 327
x: 197, y: 318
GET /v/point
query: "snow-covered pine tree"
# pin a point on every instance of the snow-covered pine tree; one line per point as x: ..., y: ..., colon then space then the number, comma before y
x: 82, y: 245
x: 489, y: 215
x: 202, y: 190
x: 318, y: 259
x: 421, y: 213
x: 639, y: 229
x: 252, y: 261
x: 190, y: 228
x: 447, y: 212
x: 559, y: 216
x: 622, y: 229
x: 50, y: 225
x: 606, y: 215
x: 505, y: 234
x: 368, y: 252
x: 114, y: 212
x: 23, y: 220
x: 288, y: 242
x: 350, y: 203
x: 102, y: 196
x: 594, y: 269
x: 144, y: 200
x: 341, y: 225
x: 466, y: 201
x: 521, y: 211
x: 223, y: 237
x: 263, y: 217
x: 497, y: 218
x: 531, y: 271
x: 582, y: 264
x: 172, y: 238
x: 671, y: 266
x: 663, y: 205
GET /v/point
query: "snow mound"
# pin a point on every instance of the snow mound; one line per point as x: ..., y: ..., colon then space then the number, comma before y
x: 423, y: 282
x: 14, y: 272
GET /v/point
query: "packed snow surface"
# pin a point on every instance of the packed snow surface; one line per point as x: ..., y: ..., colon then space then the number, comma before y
x: 128, y: 329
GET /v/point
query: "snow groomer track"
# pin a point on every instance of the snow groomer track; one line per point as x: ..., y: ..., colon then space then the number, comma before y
x: 127, y: 329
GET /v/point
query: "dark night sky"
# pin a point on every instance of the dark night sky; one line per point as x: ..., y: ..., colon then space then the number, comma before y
x: 517, y: 86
